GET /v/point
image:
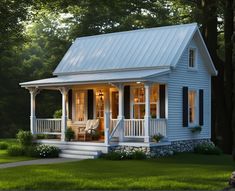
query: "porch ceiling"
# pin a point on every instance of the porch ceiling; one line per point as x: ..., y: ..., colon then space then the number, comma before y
x: 110, y: 77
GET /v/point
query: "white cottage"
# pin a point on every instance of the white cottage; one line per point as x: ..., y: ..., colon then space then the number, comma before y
x: 120, y: 89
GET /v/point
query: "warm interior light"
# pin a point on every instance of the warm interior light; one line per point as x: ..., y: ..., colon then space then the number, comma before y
x: 138, y: 82
x: 100, y: 94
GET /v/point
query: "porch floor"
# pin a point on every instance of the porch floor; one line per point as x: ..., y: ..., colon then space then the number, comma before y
x: 101, y: 143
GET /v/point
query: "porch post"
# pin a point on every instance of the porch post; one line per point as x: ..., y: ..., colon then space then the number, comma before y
x: 147, y: 112
x: 107, y: 117
x: 33, y: 93
x: 121, y: 111
x: 64, y: 92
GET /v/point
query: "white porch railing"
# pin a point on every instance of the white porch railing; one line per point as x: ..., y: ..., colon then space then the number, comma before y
x: 48, y: 126
x: 158, y: 126
x: 114, y: 125
x: 134, y: 128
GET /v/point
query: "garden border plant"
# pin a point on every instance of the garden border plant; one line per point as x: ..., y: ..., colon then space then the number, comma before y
x: 27, y: 148
x: 207, y: 148
x: 3, y: 146
x: 123, y: 155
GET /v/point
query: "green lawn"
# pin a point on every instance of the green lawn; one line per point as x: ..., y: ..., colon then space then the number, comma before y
x: 4, y: 158
x: 182, y: 171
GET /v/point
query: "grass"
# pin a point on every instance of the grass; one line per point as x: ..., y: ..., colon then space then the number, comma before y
x: 5, y: 158
x: 182, y: 171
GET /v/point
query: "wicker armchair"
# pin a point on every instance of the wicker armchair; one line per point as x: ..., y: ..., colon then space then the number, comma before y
x: 91, y: 127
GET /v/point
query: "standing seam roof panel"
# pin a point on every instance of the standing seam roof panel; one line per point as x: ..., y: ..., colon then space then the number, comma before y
x: 139, y: 48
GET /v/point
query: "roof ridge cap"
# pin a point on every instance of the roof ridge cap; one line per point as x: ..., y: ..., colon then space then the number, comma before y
x: 137, y: 30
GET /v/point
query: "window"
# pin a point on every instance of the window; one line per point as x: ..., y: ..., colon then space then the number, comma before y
x: 80, y: 105
x: 192, y: 106
x: 192, y: 58
x: 138, y: 102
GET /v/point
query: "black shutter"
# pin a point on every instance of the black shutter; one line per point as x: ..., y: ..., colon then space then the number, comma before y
x: 70, y: 102
x: 185, y: 106
x: 162, y: 96
x: 90, y: 100
x: 127, y: 102
x: 201, y: 107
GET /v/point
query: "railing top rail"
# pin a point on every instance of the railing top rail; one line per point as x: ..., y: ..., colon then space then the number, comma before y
x: 158, y: 119
x: 49, y: 119
x: 133, y: 119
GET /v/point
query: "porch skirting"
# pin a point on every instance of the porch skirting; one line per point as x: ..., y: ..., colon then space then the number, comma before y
x: 162, y: 149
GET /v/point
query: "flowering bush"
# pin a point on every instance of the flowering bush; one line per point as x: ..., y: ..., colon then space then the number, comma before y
x: 47, y: 151
x: 207, y: 148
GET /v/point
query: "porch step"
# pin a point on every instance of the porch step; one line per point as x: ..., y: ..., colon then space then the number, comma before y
x: 75, y: 156
x: 81, y: 146
x: 77, y: 153
x: 81, y: 152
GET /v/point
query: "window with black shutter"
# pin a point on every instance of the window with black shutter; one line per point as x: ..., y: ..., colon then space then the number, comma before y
x: 185, y: 107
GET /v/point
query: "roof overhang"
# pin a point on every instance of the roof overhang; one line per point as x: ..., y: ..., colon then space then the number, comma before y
x: 94, y: 78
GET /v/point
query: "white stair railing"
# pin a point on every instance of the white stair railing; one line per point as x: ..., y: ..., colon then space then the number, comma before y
x: 48, y: 126
x: 114, y: 125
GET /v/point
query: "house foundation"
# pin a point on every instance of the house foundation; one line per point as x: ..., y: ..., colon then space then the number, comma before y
x: 161, y: 149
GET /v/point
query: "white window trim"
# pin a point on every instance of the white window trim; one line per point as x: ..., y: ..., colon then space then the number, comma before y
x: 141, y: 103
x: 195, y: 68
x: 196, y: 123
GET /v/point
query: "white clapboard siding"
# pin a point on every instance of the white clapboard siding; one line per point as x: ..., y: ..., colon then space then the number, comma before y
x: 199, y: 79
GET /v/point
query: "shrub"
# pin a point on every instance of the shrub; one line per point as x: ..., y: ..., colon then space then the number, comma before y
x: 31, y: 151
x: 58, y: 113
x: 69, y: 134
x: 138, y: 155
x: 15, y: 150
x: 122, y: 155
x: 157, y: 137
x: 47, y: 151
x: 207, y: 148
x: 25, y: 138
x: 112, y: 156
x: 3, y: 146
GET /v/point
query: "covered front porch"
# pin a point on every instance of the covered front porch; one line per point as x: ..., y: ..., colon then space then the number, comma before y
x: 117, y: 111
x: 127, y: 112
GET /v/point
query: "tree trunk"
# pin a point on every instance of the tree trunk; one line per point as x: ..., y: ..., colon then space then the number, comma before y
x: 233, y: 67
x: 228, y: 74
x: 220, y: 122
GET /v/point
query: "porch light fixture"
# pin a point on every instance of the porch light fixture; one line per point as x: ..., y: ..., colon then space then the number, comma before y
x: 100, y: 94
x: 138, y: 82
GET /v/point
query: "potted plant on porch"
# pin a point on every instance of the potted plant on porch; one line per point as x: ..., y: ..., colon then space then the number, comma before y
x: 69, y: 134
x: 95, y: 135
x: 157, y: 137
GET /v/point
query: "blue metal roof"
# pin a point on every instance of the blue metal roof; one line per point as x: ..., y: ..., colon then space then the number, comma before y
x: 145, y: 48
